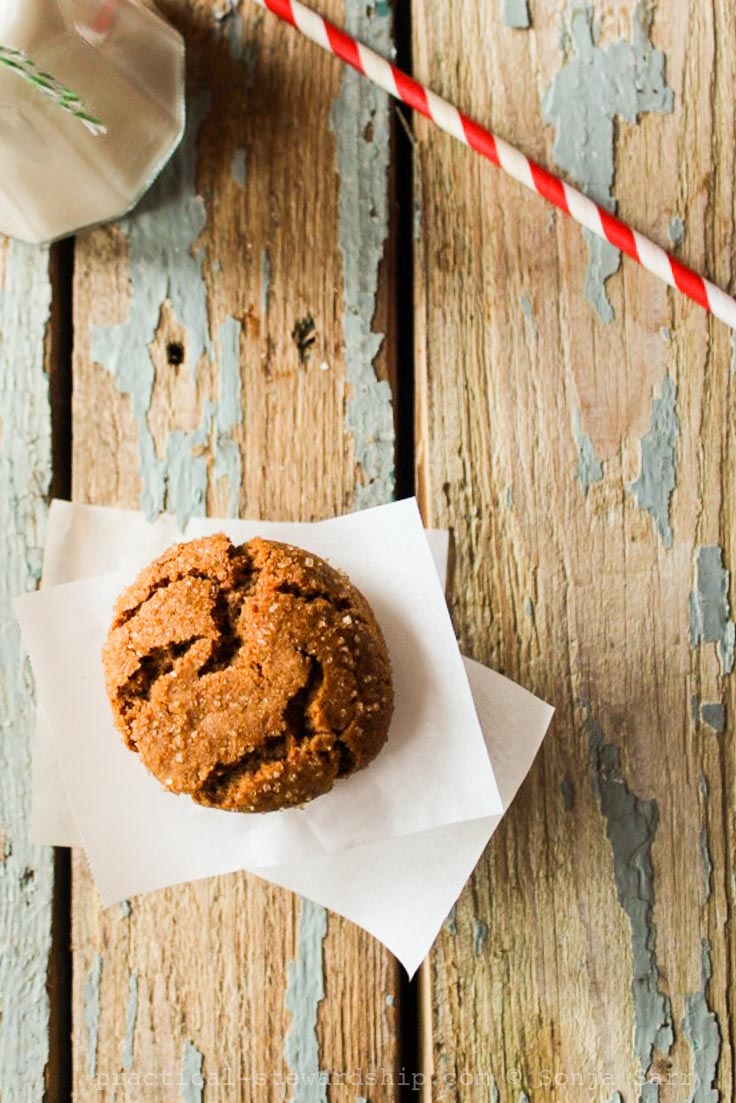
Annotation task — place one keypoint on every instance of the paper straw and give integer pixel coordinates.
(512, 161)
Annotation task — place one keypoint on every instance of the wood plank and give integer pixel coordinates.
(233, 266)
(26, 872)
(594, 945)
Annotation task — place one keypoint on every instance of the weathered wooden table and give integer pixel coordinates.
(320, 305)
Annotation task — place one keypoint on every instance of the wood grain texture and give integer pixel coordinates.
(594, 947)
(26, 872)
(210, 372)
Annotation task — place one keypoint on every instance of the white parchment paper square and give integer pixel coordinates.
(395, 871)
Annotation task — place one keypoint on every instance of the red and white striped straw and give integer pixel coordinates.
(511, 160)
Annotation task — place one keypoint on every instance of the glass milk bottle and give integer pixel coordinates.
(119, 67)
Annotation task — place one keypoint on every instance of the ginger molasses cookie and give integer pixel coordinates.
(249, 677)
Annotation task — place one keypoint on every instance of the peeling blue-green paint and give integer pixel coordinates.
(186, 457)
(595, 86)
(703, 787)
(166, 264)
(676, 230)
(509, 496)
(232, 28)
(228, 413)
(631, 826)
(361, 124)
(657, 479)
(710, 606)
(161, 235)
(25, 475)
(390, 1000)
(666, 334)
(237, 167)
(589, 468)
(265, 282)
(713, 715)
(92, 1013)
(186, 472)
(417, 221)
(567, 792)
(192, 1078)
(529, 608)
(604, 261)
(131, 1014)
(125, 908)
(695, 708)
(515, 14)
(528, 311)
(700, 1027)
(305, 990)
(451, 921)
(480, 934)
(242, 50)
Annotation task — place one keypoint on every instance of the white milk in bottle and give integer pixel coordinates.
(126, 65)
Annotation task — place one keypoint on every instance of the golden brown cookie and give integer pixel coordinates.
(249, 677)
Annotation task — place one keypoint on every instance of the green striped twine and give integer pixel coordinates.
(20, 63)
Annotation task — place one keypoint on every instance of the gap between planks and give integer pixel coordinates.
(59, 359)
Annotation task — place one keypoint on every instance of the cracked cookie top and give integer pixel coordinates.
(250, 677)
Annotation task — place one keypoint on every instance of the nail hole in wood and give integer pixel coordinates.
(304, 336)
(175, 353)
